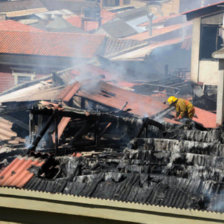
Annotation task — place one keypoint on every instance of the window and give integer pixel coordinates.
(22, 77)
(210, 41)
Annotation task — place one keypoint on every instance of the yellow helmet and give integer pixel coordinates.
(172, 99)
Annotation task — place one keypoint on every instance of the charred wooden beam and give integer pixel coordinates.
(39, 136)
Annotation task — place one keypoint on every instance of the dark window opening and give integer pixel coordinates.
(22, 79)
(210, 41)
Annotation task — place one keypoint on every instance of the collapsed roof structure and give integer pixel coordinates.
(93, 139)
(79, 145)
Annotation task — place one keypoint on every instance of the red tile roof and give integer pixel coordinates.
(208, 119)
(17, 173)
(115, 97)
(204, 117)
(75, 20)
(11, 25)
(50, 44)
(140, 105)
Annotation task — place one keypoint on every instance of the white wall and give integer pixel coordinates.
(208, 72)
(195, 50)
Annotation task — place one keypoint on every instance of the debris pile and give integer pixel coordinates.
(98, 143)
(182, 170)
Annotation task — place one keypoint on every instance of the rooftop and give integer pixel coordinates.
(50, 44)
(11, 25)
(204, 10)
(10, 6)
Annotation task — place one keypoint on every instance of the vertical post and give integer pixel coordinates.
(31, 126)
(56, 132)
(220, 95)
(166, 70)
(150, 16)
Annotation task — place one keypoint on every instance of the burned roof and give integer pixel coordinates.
(155, 171)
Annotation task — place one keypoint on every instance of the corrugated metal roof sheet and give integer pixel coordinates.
(142, 52)
(118, 29)
(115, 46)
(133, 14)
(17, 172)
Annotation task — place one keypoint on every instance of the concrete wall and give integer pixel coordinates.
(195, 49)
(208, 72)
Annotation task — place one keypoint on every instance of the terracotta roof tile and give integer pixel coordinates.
(50, 44)
(207, 118)
(11, 25)
(9, 6)
(17, 173)
(115, 97)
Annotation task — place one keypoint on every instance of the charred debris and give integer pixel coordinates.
(89, 149)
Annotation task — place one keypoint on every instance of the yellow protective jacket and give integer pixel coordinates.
(184, 109)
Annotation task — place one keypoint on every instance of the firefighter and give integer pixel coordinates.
(184, 108)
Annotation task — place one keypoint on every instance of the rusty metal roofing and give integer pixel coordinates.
(17, 173)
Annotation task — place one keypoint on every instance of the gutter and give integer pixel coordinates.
(92, 208)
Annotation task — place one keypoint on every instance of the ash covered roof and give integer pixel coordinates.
(154, 171)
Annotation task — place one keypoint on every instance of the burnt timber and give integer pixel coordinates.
(121, 158)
